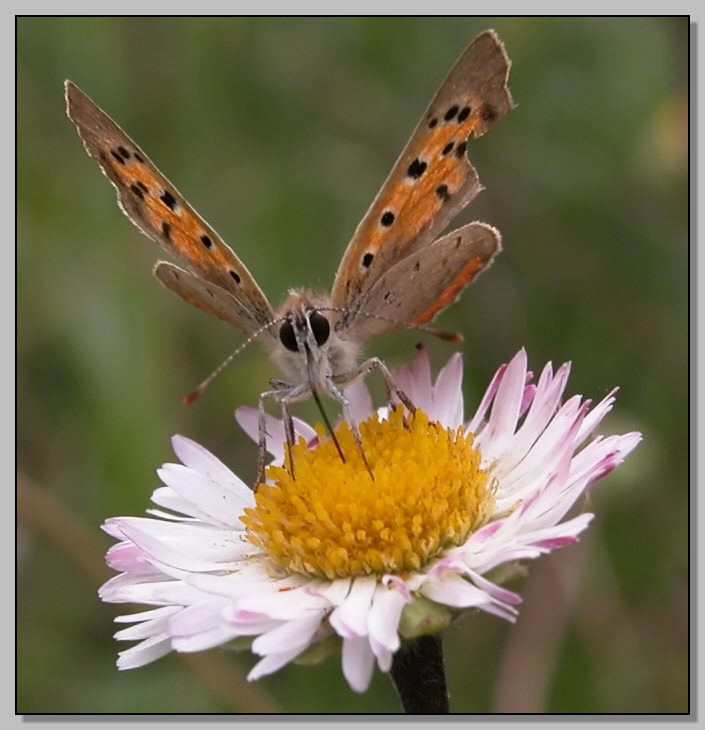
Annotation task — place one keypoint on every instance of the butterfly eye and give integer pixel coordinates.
(287, 336)
(320, 327)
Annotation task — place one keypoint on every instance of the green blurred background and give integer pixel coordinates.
(280, 132)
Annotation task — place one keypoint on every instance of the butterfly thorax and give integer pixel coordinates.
(308, 348)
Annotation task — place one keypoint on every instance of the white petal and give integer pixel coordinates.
(335, 592)
(595, 416)
(162, 514)
(271, 663)
(384, 616)
(202, 461)
(251, 578)
(492, 589)
(152, 613)
(358, 663)
(284, 606)
(459, 593)
(126, 557)
(207, 639)
(289, 636)
(166, 497)
(157, 593)
(222, 505)
(216, 551)
(350, 618)
(254, 628)
(144, 653)
(382, 654)
(196, 618)
(143, 630)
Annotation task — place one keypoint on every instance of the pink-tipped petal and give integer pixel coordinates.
(494, 439)
(360, 399)
(448, 394)
(476, 421)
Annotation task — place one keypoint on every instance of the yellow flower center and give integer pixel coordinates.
(334, 520)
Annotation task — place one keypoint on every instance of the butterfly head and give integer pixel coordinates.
(308, 344)
(304, 331)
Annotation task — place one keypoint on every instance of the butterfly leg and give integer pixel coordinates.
(282, 396)
(374, 363)
(347, 415)
(289, 433)
(262, 434)
(280, 384)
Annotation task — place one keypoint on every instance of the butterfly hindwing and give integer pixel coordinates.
(156, 207)
(207, 296)
(433, 179)
(436, 274)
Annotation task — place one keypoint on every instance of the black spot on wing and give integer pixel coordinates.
(168, 199)
(166, 230)
(137, 191)
(464, 113)
(416, 169)
(443, 193)
(206, 241)
(367, 260)
(460, 149)
(235, 276)
(448, 148)
(451, 113)
(387, 218)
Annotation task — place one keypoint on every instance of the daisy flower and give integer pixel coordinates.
(339, 556)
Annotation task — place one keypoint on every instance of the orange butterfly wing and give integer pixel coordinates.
(433, 179)
(156, 207)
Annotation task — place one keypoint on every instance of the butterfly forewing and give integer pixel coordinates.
(156, 207)
(436, 274)
(433, 178)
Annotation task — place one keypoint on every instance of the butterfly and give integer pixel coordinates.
(396, 271)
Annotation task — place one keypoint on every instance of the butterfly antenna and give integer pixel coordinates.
(196, 393)
(441, 334)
